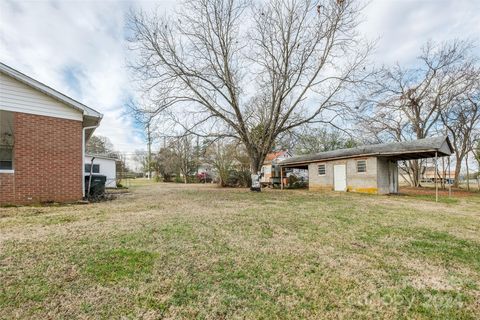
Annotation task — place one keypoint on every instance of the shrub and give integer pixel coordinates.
(295, 183)
(292, 179)
(167, 177)
(298, 185)
(239, 178)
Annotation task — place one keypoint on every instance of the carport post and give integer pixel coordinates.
(449, 179)
(436, 173)
(281, 178)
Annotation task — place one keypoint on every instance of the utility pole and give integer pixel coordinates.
(122, 166)
(449, 178)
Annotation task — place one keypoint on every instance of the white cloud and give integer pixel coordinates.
(403, 26)
(79, 49)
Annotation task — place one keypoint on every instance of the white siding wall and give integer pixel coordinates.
(18, 97)
(267, 173)
(107, 168)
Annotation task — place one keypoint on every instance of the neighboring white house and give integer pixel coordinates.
(102, 165)
(270, 173)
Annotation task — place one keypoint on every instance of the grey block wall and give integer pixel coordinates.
(356, 181)
(383, 181)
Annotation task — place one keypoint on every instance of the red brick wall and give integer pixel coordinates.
(7, 189)
(47, 163)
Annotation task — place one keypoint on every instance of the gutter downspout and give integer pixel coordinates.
(83, 157)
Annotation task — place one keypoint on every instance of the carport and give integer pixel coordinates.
(368, 168)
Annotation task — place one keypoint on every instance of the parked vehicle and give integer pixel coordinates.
(204, 177)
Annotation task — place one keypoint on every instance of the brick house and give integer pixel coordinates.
(42, 141)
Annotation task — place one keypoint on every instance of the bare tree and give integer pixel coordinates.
(146, 111)
(476, 154)
(461, 119)
(314, 140)
(184, 154)
(99, 145)
(407, 103)
(221, 155)
(141, 158)
(252, 70)
(121, 167)
(165, 164)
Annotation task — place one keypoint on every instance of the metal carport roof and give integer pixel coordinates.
(407, 150)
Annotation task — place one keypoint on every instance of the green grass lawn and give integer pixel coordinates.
(196, 251)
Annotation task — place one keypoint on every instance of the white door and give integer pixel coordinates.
(340, 177)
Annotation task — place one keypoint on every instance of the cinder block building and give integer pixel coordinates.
(369, 168)
(42, 141)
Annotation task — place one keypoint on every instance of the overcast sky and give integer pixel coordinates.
(79, 47)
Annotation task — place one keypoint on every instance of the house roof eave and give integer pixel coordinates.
(85, 110)
(423, 148)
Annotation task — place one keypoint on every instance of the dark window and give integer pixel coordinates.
(361, 166)
(96, 168)
(321, 170)
(6, 140)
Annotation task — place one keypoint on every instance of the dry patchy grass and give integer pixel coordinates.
(196, 251)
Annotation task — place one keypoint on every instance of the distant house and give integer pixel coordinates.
(102, 165)
(428, 174)
(42, 141)
(369, 169)
(270, 174)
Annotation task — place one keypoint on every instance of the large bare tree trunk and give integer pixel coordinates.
(256, 162)
(458, 167)
(468, 172)
(415, 167)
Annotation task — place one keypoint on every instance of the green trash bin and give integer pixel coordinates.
(97, 185)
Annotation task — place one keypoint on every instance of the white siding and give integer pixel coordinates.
(18, 97)
(107, 168)
(267, 173)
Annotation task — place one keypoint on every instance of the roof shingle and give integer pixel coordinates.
(422, 148)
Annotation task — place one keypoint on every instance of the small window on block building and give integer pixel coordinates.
(361, 166)
(321, 169)
(6, 140)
